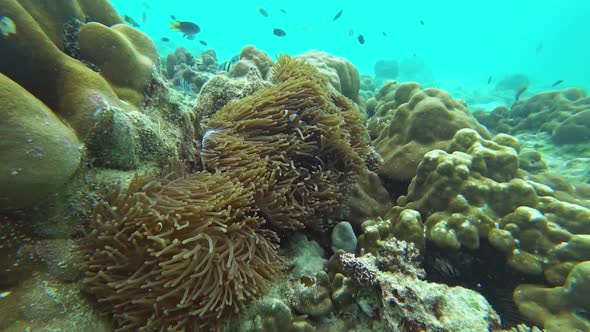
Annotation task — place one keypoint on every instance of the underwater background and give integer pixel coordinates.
(461, 42)
(297, 166)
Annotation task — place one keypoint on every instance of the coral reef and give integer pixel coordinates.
(367, 88)
(296, 142)
(94, 74)
(475, 190)
(409, 303)
(341, 74)
(409, 122)
(179, 254)
(386, 69)
(190, 73)
(562, 113)
(252, 58)
(369, 199)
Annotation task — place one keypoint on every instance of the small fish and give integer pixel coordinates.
(519, 92)
(146, 5)
(262, 12)
(307, 281)
(157, 227)
(7, 27)
(283, 11)
(384, 33)
(490, 80)
(558, 82)
(337, 16)
(305, 29)
(165, 39)
(292, 117)
(143, 17)
(361, 39)
(202, 42)
(188, 29)
(422, 22)
(131, 21)
(279, 32)
(350, 32)
(227, 66)
(4, 294)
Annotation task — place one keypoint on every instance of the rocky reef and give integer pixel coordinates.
(287, 194)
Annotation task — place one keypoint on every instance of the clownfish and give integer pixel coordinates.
(292, 117)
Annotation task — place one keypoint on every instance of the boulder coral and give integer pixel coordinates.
(559, 308)
(474, 190)
(410, 121)
(562, 113)
(66, 85)
(39, 152)
(341, 73)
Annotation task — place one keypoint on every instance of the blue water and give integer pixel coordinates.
(463, 42)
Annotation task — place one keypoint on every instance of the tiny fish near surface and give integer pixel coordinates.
(262, 12)
(558, 82)
(490, 80)
(202, 42)
(361, 39)
(279, 32)
(337, 16)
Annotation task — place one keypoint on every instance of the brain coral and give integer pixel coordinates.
(297, 143)
(177, 255)
(409, 122)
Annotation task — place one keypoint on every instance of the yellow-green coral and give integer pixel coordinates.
(39, 152)
(409, 122)
(66, 85)
(560, 308)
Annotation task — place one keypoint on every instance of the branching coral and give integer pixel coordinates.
(180, 254)
(296, 142)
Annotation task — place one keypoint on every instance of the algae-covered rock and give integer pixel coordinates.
(38, 152)
(343, 237)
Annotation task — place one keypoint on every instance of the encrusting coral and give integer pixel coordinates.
(179, 254)
(298, 144)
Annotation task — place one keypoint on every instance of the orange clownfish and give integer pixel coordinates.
(292, 117)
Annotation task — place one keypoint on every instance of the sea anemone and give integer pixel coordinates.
(176, 255)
